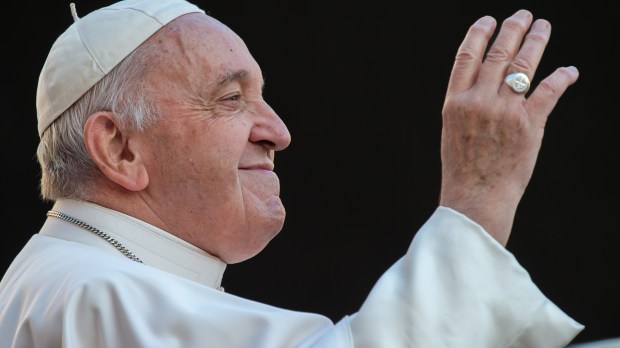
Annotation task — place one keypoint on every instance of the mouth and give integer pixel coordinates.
(268, 166)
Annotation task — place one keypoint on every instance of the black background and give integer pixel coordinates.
(361, 86)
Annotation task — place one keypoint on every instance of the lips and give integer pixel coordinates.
(261, 180)
(259, 172)
(259, 166)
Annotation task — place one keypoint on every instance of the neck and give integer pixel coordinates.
(129, 203)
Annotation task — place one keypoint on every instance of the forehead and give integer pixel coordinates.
(197, 29)
(196, 47)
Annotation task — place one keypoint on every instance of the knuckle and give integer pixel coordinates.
(521, 65)
(465, 106)
(498, 54)
(549, 88)
(515, 24)
(466, 54)
(538, 37)
(450, 106)
(476, 103)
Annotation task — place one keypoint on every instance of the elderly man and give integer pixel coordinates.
(158, 150)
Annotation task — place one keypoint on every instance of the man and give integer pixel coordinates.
(158, 150)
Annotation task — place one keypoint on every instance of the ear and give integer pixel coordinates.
(117, 154)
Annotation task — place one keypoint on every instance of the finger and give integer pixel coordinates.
(531, 52)
(470, 53)
(542, 101)
(504, 48)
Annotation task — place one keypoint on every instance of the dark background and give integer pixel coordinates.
(361, 86)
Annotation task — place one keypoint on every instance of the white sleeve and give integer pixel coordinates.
(458, 287)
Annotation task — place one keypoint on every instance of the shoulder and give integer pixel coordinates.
(93, 295)
(74, 268)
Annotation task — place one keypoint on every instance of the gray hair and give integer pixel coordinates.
(67, 171)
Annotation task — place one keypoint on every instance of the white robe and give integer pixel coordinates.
(455, 287)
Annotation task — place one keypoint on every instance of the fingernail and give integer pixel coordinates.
(573, 69)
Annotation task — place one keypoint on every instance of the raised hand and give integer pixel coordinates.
(491, 132)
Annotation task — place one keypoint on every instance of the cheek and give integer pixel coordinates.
(202, 154)
(213, 172)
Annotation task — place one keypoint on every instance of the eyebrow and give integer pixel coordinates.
(234, 75)
(230, 76)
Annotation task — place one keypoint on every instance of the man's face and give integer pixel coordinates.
(210, 161)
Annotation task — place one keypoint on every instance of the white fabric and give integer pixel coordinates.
(455, 287)
(606, 343)
(154, 246)
(94, 45)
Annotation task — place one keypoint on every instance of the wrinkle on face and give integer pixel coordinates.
(200, 88)
(198, 151)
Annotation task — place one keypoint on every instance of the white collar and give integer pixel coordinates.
(154, 246)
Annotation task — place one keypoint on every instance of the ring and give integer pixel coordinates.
(519, 82)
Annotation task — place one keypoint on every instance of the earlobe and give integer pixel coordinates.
(115, 152)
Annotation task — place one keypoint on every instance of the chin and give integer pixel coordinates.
(269, 220)
(263, 231)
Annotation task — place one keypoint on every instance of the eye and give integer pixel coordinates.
(231, 103)
(233, 97)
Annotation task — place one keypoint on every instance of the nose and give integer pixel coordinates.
(270, 130)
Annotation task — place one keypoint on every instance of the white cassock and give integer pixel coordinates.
(455, 287)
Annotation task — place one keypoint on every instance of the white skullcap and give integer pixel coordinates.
(93, 45)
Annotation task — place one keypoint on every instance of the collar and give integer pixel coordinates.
(154, 246)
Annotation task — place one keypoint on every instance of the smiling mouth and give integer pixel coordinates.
(261, 166)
